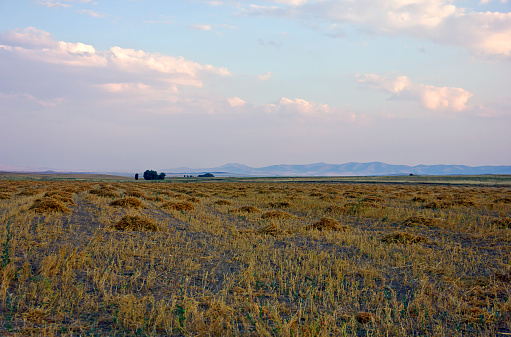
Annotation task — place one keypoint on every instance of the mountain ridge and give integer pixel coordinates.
(347, 169)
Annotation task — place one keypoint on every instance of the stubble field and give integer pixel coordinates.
(261, 259)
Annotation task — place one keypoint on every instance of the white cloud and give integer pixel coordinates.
(236, 101)
(29, 37)
(52, 4)
(265, 77)
(291, 2)
(201, 27)
(487, 33)
(430, 97)
(91, 13)
(36, 45)
(65, 4)
(298, 106)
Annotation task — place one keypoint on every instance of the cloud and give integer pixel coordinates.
(29, 37)
(236, 101)
(52, 4)
(91, 13)
(210, 27)
(128, 82)
(484, 33)
(64, 4)
(39, 46)
(265, 77)
(51, 103)
(430, 97)
(201, 27)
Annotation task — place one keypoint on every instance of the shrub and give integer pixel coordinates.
(206, 175)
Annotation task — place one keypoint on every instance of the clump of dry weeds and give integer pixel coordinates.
(135, 193)
(136, 223)
(279, 204)
(327, 224)
(4, 196)
(102, 192)
(276, 215)
(420, 220)
(364, 317)
(246, 209)
(49, 205)
(335, 209)
(502, 222)
(128, 202)
(223, 202)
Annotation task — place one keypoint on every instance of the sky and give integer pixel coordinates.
(129, 85)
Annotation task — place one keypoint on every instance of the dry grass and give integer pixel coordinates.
(272, 229)
(135, 223)
(276, 215)
(327, 224)
(246, 209)
(128, 202)
(502, 222)
(107, 193)
(223, 202)
(403, 237)
(420, 221)
(4, 196)
(279, 204)
(94, 269)
(179, 206)
(49, 205)
(364, 317)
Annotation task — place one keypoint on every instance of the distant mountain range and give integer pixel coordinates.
(318, 169)
(348, 169)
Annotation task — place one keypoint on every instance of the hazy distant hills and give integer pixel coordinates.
(348, 169)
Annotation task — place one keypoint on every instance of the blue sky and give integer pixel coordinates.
(130, 85)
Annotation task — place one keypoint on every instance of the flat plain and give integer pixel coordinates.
(254, 257)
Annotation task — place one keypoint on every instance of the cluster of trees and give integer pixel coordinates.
(152, 175)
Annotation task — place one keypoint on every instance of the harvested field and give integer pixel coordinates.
(223, 202)
(246, 209)
(276, 259)
(128, 202)
(403, 237)
(135, 223)
(420, 221)
(276, 214)
(327, 224)
(49, 205)
(179, 206)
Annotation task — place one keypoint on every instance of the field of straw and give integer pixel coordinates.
(256, 259)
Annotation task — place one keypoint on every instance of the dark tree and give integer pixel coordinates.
(161, 176)
(150, 175)
(206, 175)
(136, 176)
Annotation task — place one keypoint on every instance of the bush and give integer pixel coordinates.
(206, 175)
(153, 175)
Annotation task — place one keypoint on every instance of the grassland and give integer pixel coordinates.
(266, 258)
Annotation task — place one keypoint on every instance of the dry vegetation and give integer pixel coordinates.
(283, 259)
